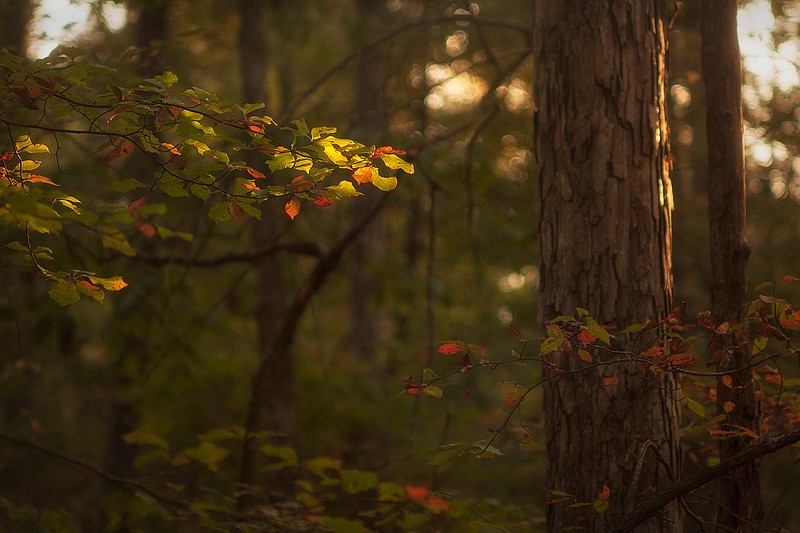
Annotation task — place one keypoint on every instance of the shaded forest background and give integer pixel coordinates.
(452, 254)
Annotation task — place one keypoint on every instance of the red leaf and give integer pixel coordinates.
(386, 150)
(292, 207)
(236, 210)
(111, 155)
(88, 285)
(6, 156)
(417, 493)
(604, 494)
(134, 207)
(727, 381)
(516, 331)
(323, 202)
(450, 348)
(300, 184)
(610, 381)
(585, 336)
(788, 278)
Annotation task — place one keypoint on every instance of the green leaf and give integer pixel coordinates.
(582, 312)
(428, 374)
(115, 240)
(144, 437)
(356, 481)
(433, 391)
(447, 453)
(695, 407)
(173, 186)
(384, 184)
(208, 454)
(600, 506)
(219, 212)
(345, 189)
(64, 293)
(224, 433)
(167, 79)
(394, 162)
(343, 525)
(17, 246)
(598, 331)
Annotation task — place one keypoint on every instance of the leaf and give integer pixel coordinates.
(292, 207)
(428, 375)
(384, 184)
(727, 381)
(126, 185)
(728, 407)
(585, 336)
(144, 437)
(344, 189)
(598, 331)
(584, 355)
(236, 211)
(788, 278)
(64, 293)
(115, 283)
(433, 391)
(90, 290)
(208, 454)
(600, 506)
(604, 494)
(356, 481)
(581, 312)
(255, 173)
(695, 407)
(417, 493)
(364, 174)
(394, 162)
(450, 348)
(447, 453)
(610, 381)
(115, 240)
(35, 178)
(219, 212)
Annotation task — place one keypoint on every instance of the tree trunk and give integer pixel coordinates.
(602, 146)
(740, 505)
(151, 31)
(367, 319)
(272, 404)
(15, 25)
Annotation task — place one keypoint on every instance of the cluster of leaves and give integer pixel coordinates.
(197, 145)
(328, 496)
(766, 333)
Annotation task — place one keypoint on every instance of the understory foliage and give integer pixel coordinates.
(192, 141)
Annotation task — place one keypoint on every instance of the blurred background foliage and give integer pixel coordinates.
(453, 255)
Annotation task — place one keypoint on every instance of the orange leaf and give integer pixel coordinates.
(584, 355)
(292, 207)
(450, 348)
(586, 337)
(146, 229)
(255, 173)
(35, 178)
(728, 406)
(111, 155)
(604, 494)
(171, 148)
(788, 278)
(363, 175)
(300, 184)
(417, 493)
(516, 331)
(727, 381)
(610, 381)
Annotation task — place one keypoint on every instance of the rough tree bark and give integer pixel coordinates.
(602, 146)
(740, 505)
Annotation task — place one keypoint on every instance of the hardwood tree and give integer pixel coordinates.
(606, 202)
(740, 505)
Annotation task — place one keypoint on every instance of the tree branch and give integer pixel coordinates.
(654, 503)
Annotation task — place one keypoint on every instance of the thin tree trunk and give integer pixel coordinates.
(740, 505)
(602, 146)
(272, 403)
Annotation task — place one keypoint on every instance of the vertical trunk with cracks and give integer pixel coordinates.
(740, 505)
(601, 140)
